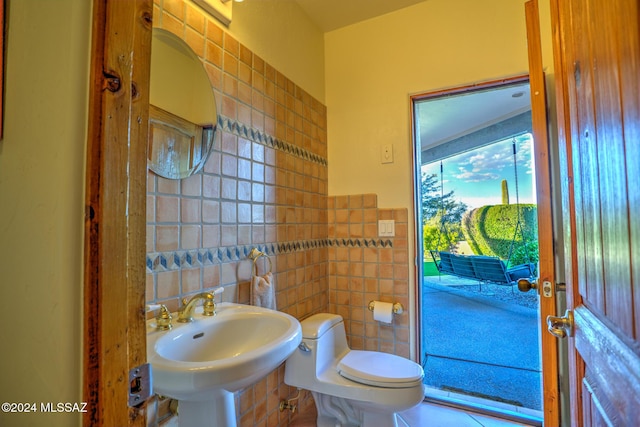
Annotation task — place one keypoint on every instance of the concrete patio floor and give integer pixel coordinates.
(481, 343)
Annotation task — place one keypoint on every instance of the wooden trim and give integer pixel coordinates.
(115, 217)
(470, 87)
(576, 364)
(91, 345)
(549, 344)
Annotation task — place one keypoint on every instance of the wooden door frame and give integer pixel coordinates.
(548, 343)
(546, 238)
(115, 210)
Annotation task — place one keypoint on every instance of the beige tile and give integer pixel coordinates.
(195, 40)
(168, 186)
(228, 235)
(213, 53)
(168, 284)
(190, 236)
(190, 279)
(190, 210)
(167, 237)
(370, 201)
(167, 209)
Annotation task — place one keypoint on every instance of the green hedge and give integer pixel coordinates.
(489, 230)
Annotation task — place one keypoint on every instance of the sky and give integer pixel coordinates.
(475, 176)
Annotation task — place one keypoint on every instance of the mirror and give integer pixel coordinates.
(182, 114)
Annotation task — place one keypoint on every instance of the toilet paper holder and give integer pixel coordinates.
(397, 307)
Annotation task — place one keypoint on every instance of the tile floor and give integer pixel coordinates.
(424, 415)
(433, 415)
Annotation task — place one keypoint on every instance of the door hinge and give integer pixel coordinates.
(140, 384)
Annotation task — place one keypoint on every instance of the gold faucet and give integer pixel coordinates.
(185, 315)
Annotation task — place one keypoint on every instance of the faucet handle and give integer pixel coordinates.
(209, 308)
(163, 318)
(209, 305)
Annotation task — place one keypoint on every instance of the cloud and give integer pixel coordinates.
(492, 162)
(484, 165)
(476, 176)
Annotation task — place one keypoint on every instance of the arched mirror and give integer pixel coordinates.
(182, 113)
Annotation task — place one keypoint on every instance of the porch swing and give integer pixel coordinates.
(482, 267)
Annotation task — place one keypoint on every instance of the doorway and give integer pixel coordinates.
(480, 337)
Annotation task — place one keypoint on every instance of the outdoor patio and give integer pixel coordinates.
(481, 341)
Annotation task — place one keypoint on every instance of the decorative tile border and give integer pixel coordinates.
(361, 243)
(257, 136)
(177, 260)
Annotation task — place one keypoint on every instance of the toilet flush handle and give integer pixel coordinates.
(304, 347)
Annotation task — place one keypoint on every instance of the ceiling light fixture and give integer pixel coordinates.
(219, 9)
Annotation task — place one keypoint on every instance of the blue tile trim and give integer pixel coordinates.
(258, 136)
(178, 260)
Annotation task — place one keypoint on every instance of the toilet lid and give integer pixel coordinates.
(380, 369)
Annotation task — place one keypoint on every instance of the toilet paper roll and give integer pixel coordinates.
(383, 311)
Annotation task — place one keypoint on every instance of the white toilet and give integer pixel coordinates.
(351, 387)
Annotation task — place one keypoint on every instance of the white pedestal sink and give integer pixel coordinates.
(202, 363)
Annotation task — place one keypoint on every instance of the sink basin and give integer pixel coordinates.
(202, 363)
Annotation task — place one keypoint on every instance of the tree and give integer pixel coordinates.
(441, 214)
(430, 194)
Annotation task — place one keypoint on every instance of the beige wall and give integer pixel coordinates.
(41, 207)
(373, 67)
(282, 34)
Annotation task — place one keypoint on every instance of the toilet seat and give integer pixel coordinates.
(380, 369)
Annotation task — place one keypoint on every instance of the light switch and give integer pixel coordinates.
(386, 228)
(386, 153)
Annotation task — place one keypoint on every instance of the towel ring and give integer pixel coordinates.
(254, 254)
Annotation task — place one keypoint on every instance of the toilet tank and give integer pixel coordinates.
(325, 337)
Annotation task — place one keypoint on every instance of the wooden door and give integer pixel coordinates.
(115, 223)
(596, 56)
(546, 250)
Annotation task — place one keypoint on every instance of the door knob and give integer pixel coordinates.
(561, 327)
(525, 285)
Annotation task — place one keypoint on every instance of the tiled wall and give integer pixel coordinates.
(265, 186)
(364, 267)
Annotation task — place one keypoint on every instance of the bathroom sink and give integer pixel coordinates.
(202, 363)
